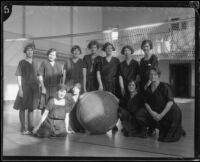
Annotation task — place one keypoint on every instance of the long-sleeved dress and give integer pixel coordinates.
(30, 86)
(91, 69)
(170, 128)
(145, 66)
(54, 125)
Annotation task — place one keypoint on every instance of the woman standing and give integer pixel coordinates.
(162, 109)
(89, 68)
(129, 69)
(73, 75)
(148, 61)
(28, 88)
(49, 75)
(72, 72)
(108, 72)
(54, 121)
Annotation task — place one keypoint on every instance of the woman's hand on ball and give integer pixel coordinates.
(35, 130)
(101, 88)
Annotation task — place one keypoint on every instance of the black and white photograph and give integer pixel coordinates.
(98, 80)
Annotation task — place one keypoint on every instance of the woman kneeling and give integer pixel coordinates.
(55, 119)
(130, 107)
(162, 109)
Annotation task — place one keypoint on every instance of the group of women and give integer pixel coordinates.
(145, 102)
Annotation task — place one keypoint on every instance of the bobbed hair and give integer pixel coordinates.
(156, 69)
(61, 87)
(28, 46)
(76, 47)
(93, 43)
(128, 47)
(147, 41)
(106, 45)
(51, 50)
(135, 82)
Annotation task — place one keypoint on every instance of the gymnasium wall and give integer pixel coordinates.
(132, 16)
(42, 21)
(127, 17)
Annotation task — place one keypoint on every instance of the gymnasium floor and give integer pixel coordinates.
(86, 145)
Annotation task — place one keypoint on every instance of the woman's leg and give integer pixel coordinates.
(22, 120)
(172, 125)
(30, 120)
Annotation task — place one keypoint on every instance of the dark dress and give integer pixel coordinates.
(145, 66)
(74, 74)
(30, 86)
(170, 129)
(129, 108)
(91, 68)
(51, 76)
(54, 125)
(129, 72)
(109, 74)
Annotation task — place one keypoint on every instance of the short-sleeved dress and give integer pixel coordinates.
(129, 108)
(74, 73)
(129, 72)
(145, 66)
(109, 74)
(170, 128)
(30, 86)
(54, 125)
(51, 76)
(91, 68)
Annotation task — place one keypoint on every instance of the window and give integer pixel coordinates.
(178, 25)
(183, 25)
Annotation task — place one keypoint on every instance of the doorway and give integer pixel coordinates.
(180, 79)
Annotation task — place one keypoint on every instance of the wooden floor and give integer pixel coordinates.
(87, 145)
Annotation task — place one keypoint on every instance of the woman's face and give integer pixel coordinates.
(29, 53)
(93, 49)
(127, 53)
(61, 94)
(109, 50)
(146, 48)
(52, 56)
(153, 76)
(76, 53)
(76, 90)
(131, 87)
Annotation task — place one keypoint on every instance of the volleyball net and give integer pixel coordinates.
(171, 40)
